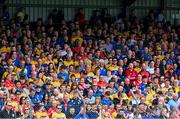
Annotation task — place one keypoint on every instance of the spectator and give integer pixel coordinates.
(94, 65)
(71, 113)
(82, 115)
(75, 102)
(174, 102)
(58, 113)
(7, 112)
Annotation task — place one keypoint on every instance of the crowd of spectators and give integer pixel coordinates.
(101, 68)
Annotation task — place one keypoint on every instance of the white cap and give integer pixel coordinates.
(101, 60)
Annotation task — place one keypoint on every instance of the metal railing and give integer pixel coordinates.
(84, 103)
(137, 104)
(31, 106)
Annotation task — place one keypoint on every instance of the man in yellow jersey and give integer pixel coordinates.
(58, 114)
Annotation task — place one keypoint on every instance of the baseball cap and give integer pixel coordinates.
(59, 107)
(101, 60)
(26, 108)
(45, 65)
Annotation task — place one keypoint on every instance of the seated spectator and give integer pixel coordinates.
(58, 113)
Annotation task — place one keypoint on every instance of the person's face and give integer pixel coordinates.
(143, 100)
(63, 88)
(139, 78)
(2, 82)
(48, 86)
(130, 66)
(18, 84)
(162, 78)
(108, 73)
(66, 97)
(8, 106)
(72, 111)
(101, 64)
(88, 68)
(46, 97)
(75, 95)
(1, 94)
(115, 61)
(27, 111)
(22, 63)
(10, 69)
(56, 92)
(18, 95)
(9, 77)
(110, 61)
(68, 89)
(171, 91)
(167, 83)
(160, 104)
(101, 79)
(111, 106)
(127, 81)
(90, 92)
(175, 97)
(54, 104)
(174, 116)
(94, 107)
(164, 112)
(28, 60)
(51, 99)
(38, 89)
(32, 93)
(120, 89)
(95, 87)
(124, 107)
(59, 109)
(172, 54)
(143, 66)
(88, 107)
(152, 64)
(118, 107)
(175, 82)
(146, 50)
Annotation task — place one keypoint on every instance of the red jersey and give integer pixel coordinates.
(131, 74)
(51, 111)
(9, 84)
(102, 84)
(145, 73)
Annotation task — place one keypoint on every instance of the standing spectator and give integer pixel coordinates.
(71, 113)
(131, 73)
(82, 115)
(7, 112)
(76, 102)
(80, 17)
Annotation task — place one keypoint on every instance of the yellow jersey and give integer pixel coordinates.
(58, 115)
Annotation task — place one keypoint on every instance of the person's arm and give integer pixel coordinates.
(100, 114)
(53, 115)
(64, 116)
